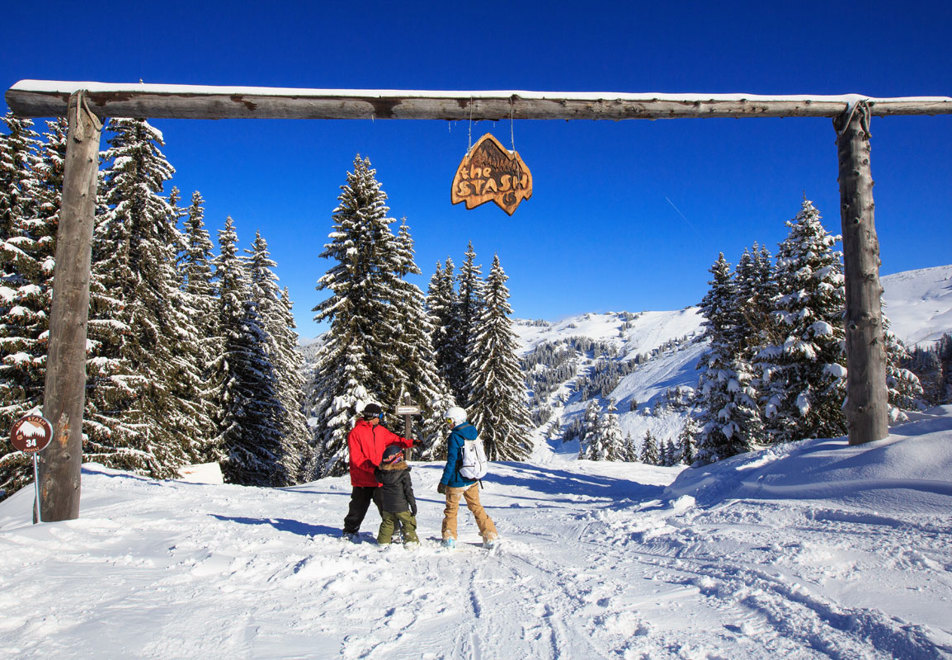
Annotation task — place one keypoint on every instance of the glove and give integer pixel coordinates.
(441, 488)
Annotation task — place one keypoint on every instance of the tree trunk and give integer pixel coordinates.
(61, 462)
(866, 406)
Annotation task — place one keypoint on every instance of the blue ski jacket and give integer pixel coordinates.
(454, 456)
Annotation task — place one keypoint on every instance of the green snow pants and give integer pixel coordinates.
(405, 519)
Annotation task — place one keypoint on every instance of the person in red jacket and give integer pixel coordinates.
(366, 442)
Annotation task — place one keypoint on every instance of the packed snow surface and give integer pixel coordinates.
(811, 550)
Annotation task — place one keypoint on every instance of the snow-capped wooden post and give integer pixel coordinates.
(867, 413)
(60, 465)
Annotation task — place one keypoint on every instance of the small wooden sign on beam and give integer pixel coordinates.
(491, 173)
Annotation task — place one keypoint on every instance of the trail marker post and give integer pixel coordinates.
(408, 411)
(31, 434)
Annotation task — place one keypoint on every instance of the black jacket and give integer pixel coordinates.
(397, 489)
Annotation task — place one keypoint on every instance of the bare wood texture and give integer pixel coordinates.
(867, 405)
(61, 463)
(37, 98)
(491, 173)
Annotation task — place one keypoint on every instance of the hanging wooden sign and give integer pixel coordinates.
(490, 172)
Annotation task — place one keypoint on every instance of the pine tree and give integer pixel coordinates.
(649, 449)
(927, 365)
(354, 363)
(498, 404)
(805, 370)
(141, 412)
(685, 449)
(441, 304)
(417, 377)
(904, 390)
(754, 293)
(252, 412)
(727, 409)
(25, 280)
(631, 452)
(588, 427)
(200, 303)
(274, 308)
(606, 443)
(466, 317)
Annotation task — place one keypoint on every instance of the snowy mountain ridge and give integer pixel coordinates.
(918, 304)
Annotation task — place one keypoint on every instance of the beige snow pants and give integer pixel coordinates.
(471, 494)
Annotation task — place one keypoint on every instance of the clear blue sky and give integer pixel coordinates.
(625, 215)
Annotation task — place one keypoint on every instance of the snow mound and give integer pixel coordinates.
(908, 471)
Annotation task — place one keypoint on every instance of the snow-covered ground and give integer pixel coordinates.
(812, 550)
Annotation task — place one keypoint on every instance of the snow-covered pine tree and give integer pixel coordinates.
(354, 364)
(497, 389)
(805, 370)
(200, 302)
(754, 293)
(664, 457)
(274, 309)
(904, 390)
(606, 443)
(729, 420)
(416, 376)
(441, 304)
(588, 427)
(24, 289)
(671, 454)
(192, 406)
(927, 365)
(686, 436)
(251, 431)
(649, 449)
(463, 326)
(630, 451)
(140, 412)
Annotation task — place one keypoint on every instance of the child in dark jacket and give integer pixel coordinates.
(398, 505)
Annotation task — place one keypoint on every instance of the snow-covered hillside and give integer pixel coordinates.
(919, 303)
(812, 550)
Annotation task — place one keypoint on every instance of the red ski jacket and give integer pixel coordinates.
(366, 444)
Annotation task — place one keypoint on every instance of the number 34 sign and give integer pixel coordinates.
(31, 434)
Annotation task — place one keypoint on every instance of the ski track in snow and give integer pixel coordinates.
(591, 565)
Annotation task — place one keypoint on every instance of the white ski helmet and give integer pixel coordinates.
(456, 415)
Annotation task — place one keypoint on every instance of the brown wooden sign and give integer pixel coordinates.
(31, 434)
(490, 172)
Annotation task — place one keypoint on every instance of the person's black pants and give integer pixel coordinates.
(360, 500)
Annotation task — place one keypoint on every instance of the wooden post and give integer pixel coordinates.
(61, 464)
(407, 428)
(866, 406)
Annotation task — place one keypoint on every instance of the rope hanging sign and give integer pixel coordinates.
(491, 173)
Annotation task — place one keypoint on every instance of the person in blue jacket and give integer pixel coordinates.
(454, 485)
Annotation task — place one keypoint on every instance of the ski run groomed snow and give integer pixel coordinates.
(811, 550)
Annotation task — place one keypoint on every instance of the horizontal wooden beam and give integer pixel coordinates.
(42, 98)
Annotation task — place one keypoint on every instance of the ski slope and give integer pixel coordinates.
(811, 550)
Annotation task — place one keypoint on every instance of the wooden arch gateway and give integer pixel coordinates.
(87, 103)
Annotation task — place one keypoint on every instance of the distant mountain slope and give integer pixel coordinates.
(919, 303)
(645, 356)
